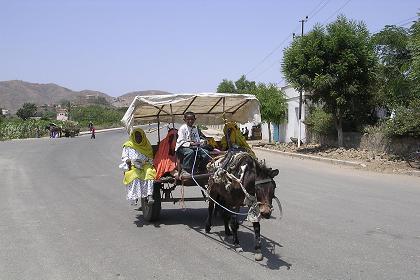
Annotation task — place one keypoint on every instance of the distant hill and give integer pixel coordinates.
(13, 94)
(126, 99)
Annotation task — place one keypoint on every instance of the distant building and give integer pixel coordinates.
(5, 112)
(62, 115)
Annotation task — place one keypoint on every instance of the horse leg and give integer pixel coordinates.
(209, 217)
(258, 255)
(234, 225)
(226, 218)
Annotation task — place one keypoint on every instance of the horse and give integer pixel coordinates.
(240, 179)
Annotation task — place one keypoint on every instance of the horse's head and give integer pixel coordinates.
(264, 189)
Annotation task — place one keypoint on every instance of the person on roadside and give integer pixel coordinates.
(246, 133)
(188, 144)
(92, 131)
(137, 164)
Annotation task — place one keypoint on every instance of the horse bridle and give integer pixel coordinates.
(258, 185)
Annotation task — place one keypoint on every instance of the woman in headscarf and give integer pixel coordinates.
(165, 159)
(139, 173)
(235, 136)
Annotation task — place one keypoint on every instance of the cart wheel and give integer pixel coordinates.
(152, 212)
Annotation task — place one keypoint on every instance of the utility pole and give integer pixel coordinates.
(302, 21)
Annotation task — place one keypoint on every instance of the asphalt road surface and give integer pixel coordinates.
(63, 215)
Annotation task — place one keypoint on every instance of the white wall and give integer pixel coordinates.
(291, 127)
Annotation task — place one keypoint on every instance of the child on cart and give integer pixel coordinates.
(190, 147)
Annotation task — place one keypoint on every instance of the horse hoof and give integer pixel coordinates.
(208, 229)
(239, 249)
(258, 256)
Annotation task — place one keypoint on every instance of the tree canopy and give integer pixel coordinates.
(26, 111)
(391, 47)
(226, 86)
(336, 66)
(414, 47)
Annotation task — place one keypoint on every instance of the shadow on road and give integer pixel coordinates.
(195, 219)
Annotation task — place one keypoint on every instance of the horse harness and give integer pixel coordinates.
(223, 175)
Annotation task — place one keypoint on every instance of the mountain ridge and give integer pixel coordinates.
(14, 93)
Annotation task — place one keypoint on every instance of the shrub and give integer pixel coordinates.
(406, 121)
(320, 122)
(17, 128)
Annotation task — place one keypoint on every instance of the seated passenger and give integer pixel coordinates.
(137, 163)
(165, 160)
(237, 140)
(187, 144)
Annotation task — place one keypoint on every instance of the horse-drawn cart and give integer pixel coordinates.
(237, 178)
(210, 108)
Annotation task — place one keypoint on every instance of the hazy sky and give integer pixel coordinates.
(177, 46)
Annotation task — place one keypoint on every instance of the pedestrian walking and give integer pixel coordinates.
(92, 130)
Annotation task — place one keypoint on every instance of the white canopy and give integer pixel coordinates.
(210, 108)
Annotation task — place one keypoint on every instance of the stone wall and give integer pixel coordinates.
(377, 142)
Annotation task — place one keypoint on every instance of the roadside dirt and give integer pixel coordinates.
(379, 162)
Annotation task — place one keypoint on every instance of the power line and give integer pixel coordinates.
(401, 23)
(265, 70)
(270, 53)
(404, 20)
(323, 6)
(314, 11)
(338, 10)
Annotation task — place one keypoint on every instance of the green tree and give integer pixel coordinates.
(48, 115)
(226, 86)
(273, 105)
(99, 115)
(336, 66)
(391, 47)
(244, 86)
(414, 47)
(26, 111)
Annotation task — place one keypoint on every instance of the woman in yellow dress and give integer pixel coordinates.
(235, 136)
(137, 164)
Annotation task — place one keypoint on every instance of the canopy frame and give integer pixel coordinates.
(212, 108)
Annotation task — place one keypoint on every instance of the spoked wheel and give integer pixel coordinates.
(151, 212)
(414, 160)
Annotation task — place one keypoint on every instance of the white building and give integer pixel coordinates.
(5, 112)
(62, 115)
(291, 127)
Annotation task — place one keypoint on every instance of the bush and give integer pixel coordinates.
(17, 128)
(406, 121)
(320, 122)
(100, 116)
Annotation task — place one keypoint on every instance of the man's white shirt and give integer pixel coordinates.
(186, 135)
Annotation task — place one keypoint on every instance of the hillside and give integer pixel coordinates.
(13, 94)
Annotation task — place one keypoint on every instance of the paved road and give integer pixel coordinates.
(63, 215)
